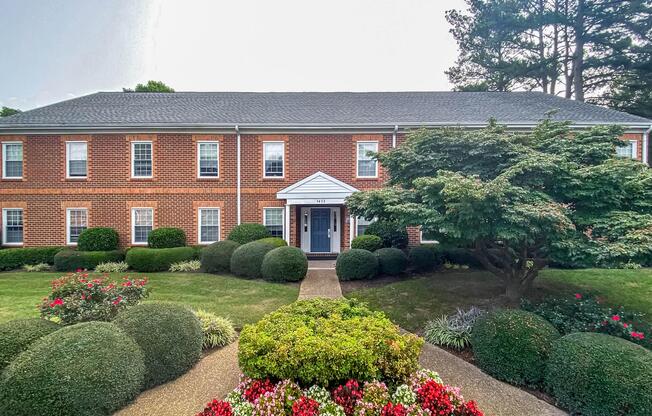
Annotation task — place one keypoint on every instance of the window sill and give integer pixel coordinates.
(13, 245)
(273, 178)
(13, 179)
(366, 178)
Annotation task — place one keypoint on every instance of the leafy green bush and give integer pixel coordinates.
(600, 375)
(40, 267)
(422, 259)
(274, 241)
(327, 341)
(186, 266)
(392, 234)
(356, 264)
(216, 258)
(218, 331)
(112, 267)
(455, 255)
(87, 369)
(391, 261)
(285, 264)
(513, 345)
(98, 239)
(15, 258)
(17, 335)
(72, 260)
(142, 259)
(166, 237)
(367, 242)
(169, 335)
(454, 330)
(247, 260)
(246, 233)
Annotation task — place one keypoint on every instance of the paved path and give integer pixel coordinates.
(321, 281)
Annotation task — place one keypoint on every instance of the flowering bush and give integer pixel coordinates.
(77, 298)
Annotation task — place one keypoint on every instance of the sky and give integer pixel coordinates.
(54, 50)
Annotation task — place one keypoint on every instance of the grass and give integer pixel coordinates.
(414, 301)
(243, 301)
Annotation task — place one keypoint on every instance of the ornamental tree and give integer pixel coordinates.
(520, 200)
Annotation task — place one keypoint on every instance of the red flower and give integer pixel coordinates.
(625, 325)
(305, 406)
(257, 389)
(90, 285)
(127, 283)
(470, 408)
(118, 300)
(79, 270)
(217, 408)
(393, 410)
(56, 302)
(433, 397)
(578, 296)
(637, 335)
(347, 396)
(615, 318)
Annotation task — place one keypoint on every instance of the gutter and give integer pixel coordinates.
(394, 135)
(646, 146)
(237, 134)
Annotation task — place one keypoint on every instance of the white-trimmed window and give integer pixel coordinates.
(76, 222)
(273, 155)
(12, 226)
(627, 149)
(361, 225)
(208, 156)
(209, 225)
(76, 159)
(273, 221)
(142, 222)
(12, 160)
(367, 166)
(427, 237)
(141, 159)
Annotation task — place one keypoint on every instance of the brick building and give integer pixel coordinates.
(205, 162)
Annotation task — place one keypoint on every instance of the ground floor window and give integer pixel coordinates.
(12, 226)
(142, 222)
(273, 220)
(361, 225)
(627, 149)
(77, 221)
(428, 237)
(209, 225)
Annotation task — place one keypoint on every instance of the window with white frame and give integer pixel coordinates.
(428, 237)
(367, 166)
(361, 225)
(273, 153)
(208, 159)
(209, 225)
(12, 160)
(141, 159)
(76, 159)
(142, 222)
(273, 221)
(12, 226)
(76, 222)
(627, 149)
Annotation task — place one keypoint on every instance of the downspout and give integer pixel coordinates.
(646, 144)
(237, 152)
(394, 135)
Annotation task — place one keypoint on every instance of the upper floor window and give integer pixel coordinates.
(76, 222)
(208, 155)
(273, 220)
(209, 225)
(12, 160)
(76, 159)
(362, 224)
(367, 166)
(273, 154)
(141, 159)
(12, 226)
(627, 150)
(142, 222)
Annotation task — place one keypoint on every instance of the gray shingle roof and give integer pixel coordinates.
(117, 109)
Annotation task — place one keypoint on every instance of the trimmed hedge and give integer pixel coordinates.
(392, 234)
(513, 345)
(356, 264)
(247, 260)
(422, 259)
(17, 335)
(72, 260)
(391, 261)
(98, 239)
(166, 237)
(274, 241)
(216, 258)
(600, 375)
(87, 369)
(15, 258)
(170, 337)
(246, 233)
(455, 255)
(142, 259)
(285, 264)
(367, 242)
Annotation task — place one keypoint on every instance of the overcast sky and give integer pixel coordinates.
(56, 50)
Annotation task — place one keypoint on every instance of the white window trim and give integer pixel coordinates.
(133, 153)
(265, 158)
(68, 160)
(357, 219)
(199, 143)
(4, 156)
(282, 221)
(634, 144)
(357, 160)
(4, 227)
(422, 241)
(68, 242)
(219, 224)
(133, 225)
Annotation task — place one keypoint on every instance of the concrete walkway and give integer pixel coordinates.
(321, 281)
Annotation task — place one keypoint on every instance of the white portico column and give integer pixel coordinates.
(351, 229)
(288, 208)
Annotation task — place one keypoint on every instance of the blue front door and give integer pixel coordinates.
(320, 239)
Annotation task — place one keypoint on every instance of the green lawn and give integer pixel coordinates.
(241, 300)
(412, 302)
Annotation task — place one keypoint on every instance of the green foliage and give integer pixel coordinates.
(98, 239)
(367, 242)
(218, 331)
(513, 345)
(15, 258)
(600, 375)
(447, 254)
(17, 335)
(72, 260)
(170, 337)
(453, 331)
(143, 259)
(166, 237)
(356, 264)
(274, 241)
(87, 369)
(7, 111)
(112, 267)
(285, 264)
(327, 342)
(422, 259)
(392, 233)
(247, 260)
(391, 261)
(151, 86)
(216, 258)
(248, 232)
(185, 266)
(39, 267)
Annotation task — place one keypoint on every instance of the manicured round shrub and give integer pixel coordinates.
(166, 238)
(367, 242)
(391, 261)
(246, 233)
(356, 264)
(216, 258)
(326, 342)
(218, 331)
(392, 234)
(513, 345)
(87, 369)
(285, 264)
(17, 335)
(422, 259)
(169, 335)
(247, 260)
(274, 241)
(600, 375)
(73, 260)
(98, 239)
(142, 259)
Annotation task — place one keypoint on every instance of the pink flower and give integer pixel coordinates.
(578, 296)
(79, 270)
(90, 285)
(615, 318)
(56, 302)
(127, 283)
(625, 326)
(118, 300)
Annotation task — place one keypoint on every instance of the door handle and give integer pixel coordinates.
(329, 233)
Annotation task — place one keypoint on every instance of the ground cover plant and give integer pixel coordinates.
(217, 331)
(453, 331)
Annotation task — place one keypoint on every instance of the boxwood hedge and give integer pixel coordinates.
(15, 258)
(274, 241)
(285, 264)
(367, 242)
(166, 237)
(142, 259)
(216, 258)
(391, 261)
(422, 259)
(356, 264)
(72, 260)
(246, 233)
(247, 260)
(17, 335)
(98, 239)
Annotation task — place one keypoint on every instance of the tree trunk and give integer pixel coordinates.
(578, 57)
(514, 291)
